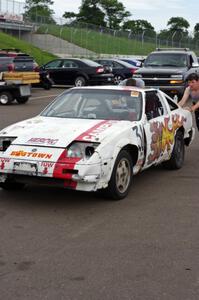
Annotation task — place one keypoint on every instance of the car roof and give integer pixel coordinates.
(171, 51)
(114, 88)
(122, 62)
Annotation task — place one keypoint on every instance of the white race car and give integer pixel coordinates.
(93, 138)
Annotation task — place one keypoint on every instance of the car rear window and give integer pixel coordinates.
(90, 63)
(23, 58)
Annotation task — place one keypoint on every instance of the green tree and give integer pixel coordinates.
(140, 26)
(115, 13)
(105, 13)
(196, 32)
(69, 15)
(178, 27)
(39, 11)
(91, 13)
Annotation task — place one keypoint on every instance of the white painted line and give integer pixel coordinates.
(47, 96)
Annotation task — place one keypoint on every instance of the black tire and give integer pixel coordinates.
(6, 98)
(10, 185)
(22, 100)
(47, 85)
(121, 177)
(117, 79)
(177, 157)
(80, 81)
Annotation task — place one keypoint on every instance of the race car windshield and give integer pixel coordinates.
(97, 104)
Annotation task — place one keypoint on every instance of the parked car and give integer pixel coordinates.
(77, 72)
(96, 138)
(120, 69)
(132, 61)
(18, 62)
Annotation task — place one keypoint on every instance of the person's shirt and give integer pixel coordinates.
(193, 95)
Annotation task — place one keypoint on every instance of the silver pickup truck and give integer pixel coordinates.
(167, 69)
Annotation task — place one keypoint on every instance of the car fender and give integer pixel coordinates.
(83, 75)
(127, 144)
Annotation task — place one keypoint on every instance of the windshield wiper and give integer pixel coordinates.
(152, 65)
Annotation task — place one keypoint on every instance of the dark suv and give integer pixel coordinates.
(12, 61)
(167, 69)
(17, 63)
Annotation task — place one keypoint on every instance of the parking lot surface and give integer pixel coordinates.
(58, 244)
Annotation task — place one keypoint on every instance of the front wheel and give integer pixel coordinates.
(6, 98)
(177, 157)
(80, 81)
(121, 177)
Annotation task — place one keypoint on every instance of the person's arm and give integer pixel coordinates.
(195, 107)
(185, 97)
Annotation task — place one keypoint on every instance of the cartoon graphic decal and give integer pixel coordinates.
(163, 137)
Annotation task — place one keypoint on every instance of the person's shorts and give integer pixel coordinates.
(197, 118)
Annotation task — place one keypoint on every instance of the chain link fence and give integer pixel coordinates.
(124, 43)
(77, 38)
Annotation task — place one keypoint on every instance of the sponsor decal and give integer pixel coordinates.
(3, 161)
(41, 141)
(96, 130)
(46, 165)
(22, 153)
(163, 137)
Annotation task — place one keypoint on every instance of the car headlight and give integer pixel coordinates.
(5, 142)
(81, 150)
(177, 76)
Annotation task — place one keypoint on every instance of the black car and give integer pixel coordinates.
(77, 72)
(120, 69)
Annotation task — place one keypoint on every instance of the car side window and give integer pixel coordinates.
(116, 65)
(154, 107)
(69, 64)
(171, 103)
(53, 64)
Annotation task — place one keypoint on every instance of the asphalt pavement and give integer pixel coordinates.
(57, 244)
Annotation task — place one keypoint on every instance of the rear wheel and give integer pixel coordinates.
(118, 79)
(177, 157)
(80, 81)
(121, 177)
(22, 100)
(6, 98)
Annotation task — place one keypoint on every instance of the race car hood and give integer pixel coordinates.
(58, 132)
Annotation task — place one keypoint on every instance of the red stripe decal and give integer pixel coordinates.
(95, 130)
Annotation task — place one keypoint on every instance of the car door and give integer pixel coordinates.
(158, 129)
(70, 69)
(55, 70)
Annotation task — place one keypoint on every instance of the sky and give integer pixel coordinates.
(156, 12)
